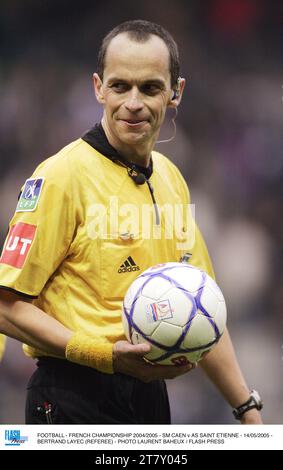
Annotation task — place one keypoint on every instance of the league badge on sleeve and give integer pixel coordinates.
(30, 195)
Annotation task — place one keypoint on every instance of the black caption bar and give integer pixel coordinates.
(132, 458)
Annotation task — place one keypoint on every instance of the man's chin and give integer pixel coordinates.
(133, 138)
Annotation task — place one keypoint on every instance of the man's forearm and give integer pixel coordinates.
(27, 323)
(222, 368)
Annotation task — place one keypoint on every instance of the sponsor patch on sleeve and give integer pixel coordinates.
(18, 244)
(30, 195)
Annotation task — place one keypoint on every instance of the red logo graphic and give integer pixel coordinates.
(160, 265)
(18, 244)
(180, 361)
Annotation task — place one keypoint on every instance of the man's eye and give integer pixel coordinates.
(150, 89)
(119, 87)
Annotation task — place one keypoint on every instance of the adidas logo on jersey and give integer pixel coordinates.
(128, 266)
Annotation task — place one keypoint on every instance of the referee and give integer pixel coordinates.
(67, 261)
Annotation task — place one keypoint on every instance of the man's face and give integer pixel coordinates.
(135, 91)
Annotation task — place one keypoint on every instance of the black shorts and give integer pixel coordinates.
(61, 392)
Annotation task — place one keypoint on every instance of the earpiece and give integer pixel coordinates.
(176, 92)
(175, 95)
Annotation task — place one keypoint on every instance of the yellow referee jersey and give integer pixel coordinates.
(2, 345)
(81, 234)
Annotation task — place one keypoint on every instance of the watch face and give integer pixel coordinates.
(257, 399)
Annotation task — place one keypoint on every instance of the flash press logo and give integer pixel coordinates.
(13, 437)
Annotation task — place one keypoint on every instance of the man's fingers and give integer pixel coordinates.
(128, 359)
(138, 349)
(173, 368)
(149, 372)
(177, 370)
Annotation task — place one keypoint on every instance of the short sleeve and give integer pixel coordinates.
(200, 256)
(2, 345)
(41, 230)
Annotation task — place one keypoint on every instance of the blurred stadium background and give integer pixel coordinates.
(229, 147)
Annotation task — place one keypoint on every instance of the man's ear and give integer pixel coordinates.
(98, 88)
(177, 93)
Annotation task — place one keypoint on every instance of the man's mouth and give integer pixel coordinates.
(134, 122)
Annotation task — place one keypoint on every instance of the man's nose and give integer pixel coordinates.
(134, 101)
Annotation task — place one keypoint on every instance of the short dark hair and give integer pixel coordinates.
(140, 31)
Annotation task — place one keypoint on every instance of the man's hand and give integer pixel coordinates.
(251, 417)
(128, 359)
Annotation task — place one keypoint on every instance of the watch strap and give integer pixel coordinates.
(253, 402)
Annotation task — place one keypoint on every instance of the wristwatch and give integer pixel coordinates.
(253, 402)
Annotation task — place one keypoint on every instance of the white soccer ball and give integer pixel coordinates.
(178, 309)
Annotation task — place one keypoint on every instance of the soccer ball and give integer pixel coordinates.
(178, 309)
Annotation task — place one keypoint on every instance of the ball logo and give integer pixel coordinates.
(159, 311)
(18, 244)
